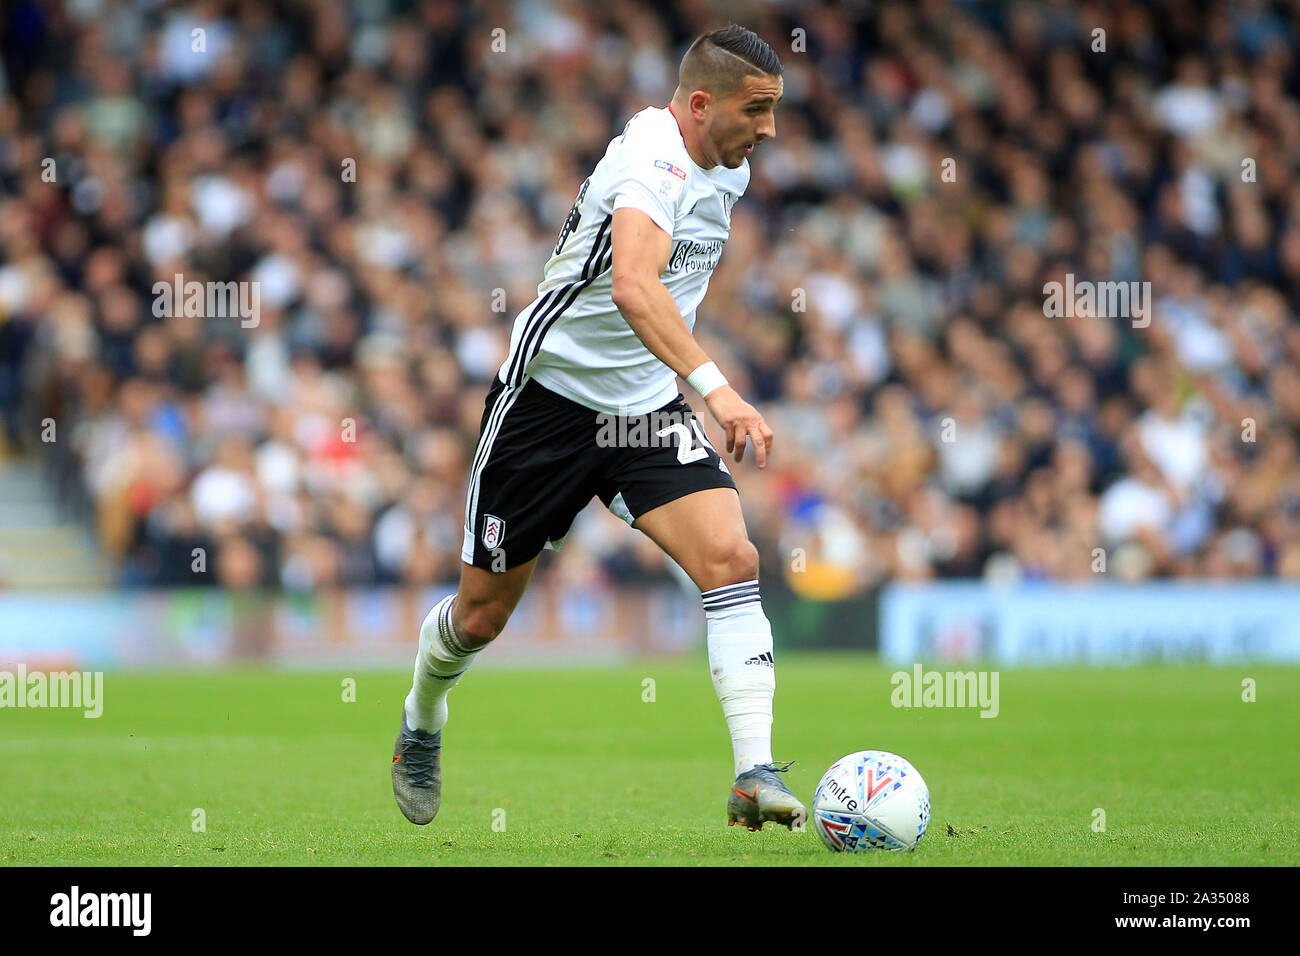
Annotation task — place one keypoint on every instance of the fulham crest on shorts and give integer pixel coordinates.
(494, 530)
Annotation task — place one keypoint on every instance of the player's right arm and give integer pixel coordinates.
(641, 249)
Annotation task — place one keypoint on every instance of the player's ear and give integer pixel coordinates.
(699, 102)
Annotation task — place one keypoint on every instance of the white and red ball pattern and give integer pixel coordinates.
(871, 800)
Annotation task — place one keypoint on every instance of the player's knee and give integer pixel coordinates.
(733, 562)
(477, 625)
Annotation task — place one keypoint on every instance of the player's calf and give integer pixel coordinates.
(417, 755)
(744, 675)
(743, 669)
(452, 634)
(477, 624)
(727, 561)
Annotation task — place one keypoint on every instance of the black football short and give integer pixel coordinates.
(541, 458)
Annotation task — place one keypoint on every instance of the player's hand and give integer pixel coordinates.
(740, 420)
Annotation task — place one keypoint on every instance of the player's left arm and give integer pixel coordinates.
(641, 250)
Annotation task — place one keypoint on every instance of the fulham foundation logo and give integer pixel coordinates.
(494, 529)
(102, 909)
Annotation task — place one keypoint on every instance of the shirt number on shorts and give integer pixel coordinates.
(686, 452)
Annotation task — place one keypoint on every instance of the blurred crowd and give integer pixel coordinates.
(393, 174)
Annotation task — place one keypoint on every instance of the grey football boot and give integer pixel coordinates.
(759, 796)
(417, 773)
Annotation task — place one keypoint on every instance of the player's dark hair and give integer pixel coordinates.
(718, 61)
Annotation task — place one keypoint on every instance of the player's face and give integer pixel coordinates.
(744, 119)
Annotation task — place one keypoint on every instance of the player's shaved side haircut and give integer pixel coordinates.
(719, 61)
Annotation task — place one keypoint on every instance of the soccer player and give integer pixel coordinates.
(595, 355)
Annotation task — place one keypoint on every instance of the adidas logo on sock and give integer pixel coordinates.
(763, 660)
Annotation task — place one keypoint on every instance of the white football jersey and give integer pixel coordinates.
(572, 339)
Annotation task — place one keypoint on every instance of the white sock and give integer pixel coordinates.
(744, 672)
(439, 664)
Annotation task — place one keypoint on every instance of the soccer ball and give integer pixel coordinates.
(871, 800)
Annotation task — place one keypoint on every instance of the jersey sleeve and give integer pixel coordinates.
(652, 186)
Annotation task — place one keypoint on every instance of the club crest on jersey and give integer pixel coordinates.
(675, 170)
(494, 530)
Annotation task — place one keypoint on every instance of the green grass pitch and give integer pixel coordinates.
(573, 767)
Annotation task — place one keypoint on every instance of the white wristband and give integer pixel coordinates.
(706, 378)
